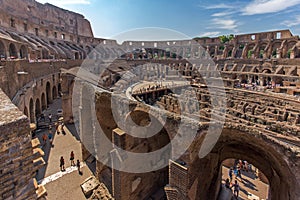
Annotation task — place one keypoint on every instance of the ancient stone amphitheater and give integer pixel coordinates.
(47, 51)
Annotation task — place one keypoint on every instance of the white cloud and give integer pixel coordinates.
(218, 6)
(222, 14)
(65, 2)
(268, 6)
(293, 22)
(210, 34)
(228, 24)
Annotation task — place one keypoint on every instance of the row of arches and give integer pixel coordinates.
(11, 51)
(266, 50)
(40, 103)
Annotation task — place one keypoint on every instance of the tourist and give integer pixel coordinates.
(50, 137)
(78, 166)
(50, 118)
(44, 138)
(239, 173)
(62, 129)
(62, 163)
(72, 158)
(227, 183)
(57, 127)
(236, 188)
(230, 174)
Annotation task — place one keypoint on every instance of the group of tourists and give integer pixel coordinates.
(72, 160)
(236, 171)
(59, 128)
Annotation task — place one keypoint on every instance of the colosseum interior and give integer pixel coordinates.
(48, 53)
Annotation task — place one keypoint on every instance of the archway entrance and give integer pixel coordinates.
(37, 108)
(247, 146)
(48, 93)
(43, 98)
(23, 52)
(54, 92)
(13, 53)
(242, 179)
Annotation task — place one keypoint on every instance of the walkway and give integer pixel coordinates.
(61, 185)
(250, 186)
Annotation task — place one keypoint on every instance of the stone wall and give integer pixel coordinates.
(18, 161)
(44, 17)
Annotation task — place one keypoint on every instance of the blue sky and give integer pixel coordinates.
(190, 17)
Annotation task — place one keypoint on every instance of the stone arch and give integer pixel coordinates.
(2, 50)
(38, 110)
(263, 154)
(262, 50)
(48, 93)
(275, 49)
(31, 111)
(250, 50)
(290, 46)
(59, 90)
(54, 92)
(23, 52)
(13, 53)
(44, 103)
(77, 56)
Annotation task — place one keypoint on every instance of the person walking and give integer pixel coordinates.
(72, 159)
(236, 189)
(50, 137)
(50, 118)
(62, 163)
(230, 174)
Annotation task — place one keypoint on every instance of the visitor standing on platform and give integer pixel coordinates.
(72, 157)
(62, 163)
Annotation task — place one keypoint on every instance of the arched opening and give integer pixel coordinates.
(59, 90)
(48, 93)
(37, 108)
(13, 53)
(54, 92)
(250, 51)
(43, 99)
(260, 152)
(26, 111)
(23, 52)
(290, 47)
(275, 50)
(262, 50)
(77, 56)
(242, 179)
(2, 51)
(31, 111)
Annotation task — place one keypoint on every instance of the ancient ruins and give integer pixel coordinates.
(42, 51)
